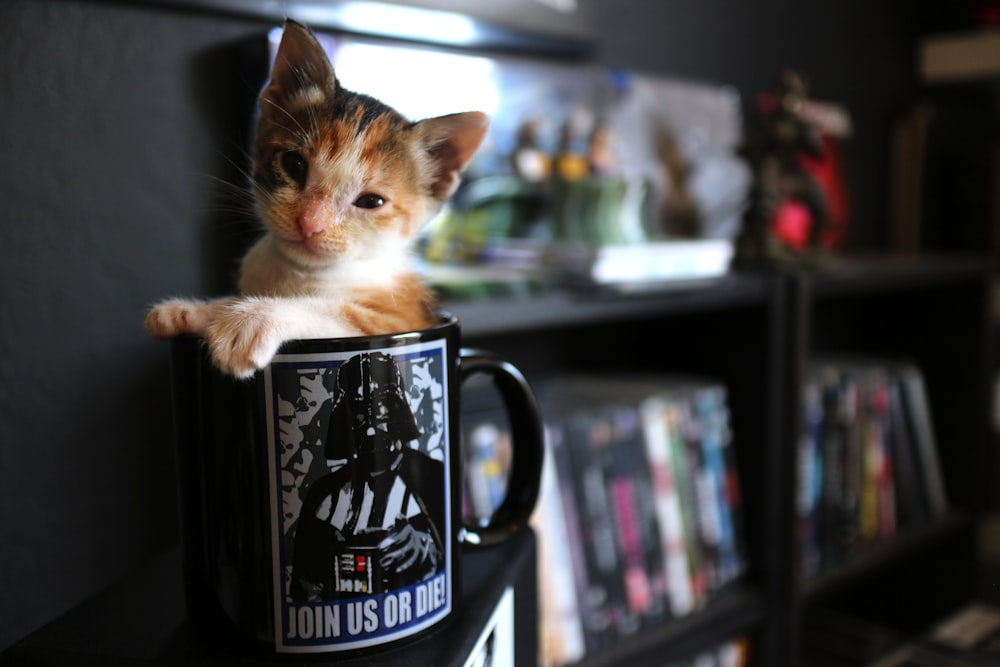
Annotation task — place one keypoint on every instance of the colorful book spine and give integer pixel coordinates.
(687, 490)
(628, 479)
(561, 638)
(667, 506)
(606, 615)
(810, 481)
(712, 415)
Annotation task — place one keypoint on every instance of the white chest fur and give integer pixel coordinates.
(267, 271)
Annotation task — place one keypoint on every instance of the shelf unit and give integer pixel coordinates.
(756, 333)
(935, 313)
(735, 329)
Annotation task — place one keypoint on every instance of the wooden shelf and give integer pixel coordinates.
(960, 57)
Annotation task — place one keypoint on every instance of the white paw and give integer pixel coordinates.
(174, 317)
(243, 338)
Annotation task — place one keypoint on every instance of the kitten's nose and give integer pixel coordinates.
(314, 218)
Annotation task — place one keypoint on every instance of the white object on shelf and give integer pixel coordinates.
(495, 645)
(646, 263)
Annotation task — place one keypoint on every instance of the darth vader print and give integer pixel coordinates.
(364, 502)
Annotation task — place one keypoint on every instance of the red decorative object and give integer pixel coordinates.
(798, 208)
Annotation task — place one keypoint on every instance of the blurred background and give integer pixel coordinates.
(121, 121)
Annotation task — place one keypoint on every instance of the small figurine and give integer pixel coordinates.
(796, 190)
(600, 151)
(680, 216)
(571, 163)
(529, 161)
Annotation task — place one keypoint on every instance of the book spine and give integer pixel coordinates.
(868, 439)
(688, 503)
(911, 505)
(711, 412)
(667, 506)
(849, 528)
(595, 618)
(833, 463)
(885, 470)
(810, 481)
(609, 617)
(733, 491)
(922, 436)
(628, 479)
(561, 638)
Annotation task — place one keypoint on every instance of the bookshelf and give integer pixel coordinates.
(757, 334)
(934, 312)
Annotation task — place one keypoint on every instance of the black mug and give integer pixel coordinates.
(321, 499)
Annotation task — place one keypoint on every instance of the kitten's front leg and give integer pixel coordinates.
(246, 333)
(173, 317)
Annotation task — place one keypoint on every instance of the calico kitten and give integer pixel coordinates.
(342, 184)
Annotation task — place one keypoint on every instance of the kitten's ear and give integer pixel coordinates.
(299, 64)
(450, 142)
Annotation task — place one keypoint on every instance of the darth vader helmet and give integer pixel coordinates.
(370, 413)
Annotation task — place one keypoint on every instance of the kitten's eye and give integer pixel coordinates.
(295, 166)
(369, 201)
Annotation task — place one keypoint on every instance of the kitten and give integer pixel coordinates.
(342, 184)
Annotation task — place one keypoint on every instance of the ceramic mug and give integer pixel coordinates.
(321, 500)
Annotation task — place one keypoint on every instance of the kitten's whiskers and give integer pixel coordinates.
(302, 133)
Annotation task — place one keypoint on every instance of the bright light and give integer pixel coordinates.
(565, 6)
(417, 82)
(397, 21)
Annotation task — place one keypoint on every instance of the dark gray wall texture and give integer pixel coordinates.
(115, 121)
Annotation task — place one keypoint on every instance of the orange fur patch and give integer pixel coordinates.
(408, 306)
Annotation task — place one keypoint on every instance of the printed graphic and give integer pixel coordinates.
(360, 498)
(495, 646)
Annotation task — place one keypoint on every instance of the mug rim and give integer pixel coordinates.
(446, 322)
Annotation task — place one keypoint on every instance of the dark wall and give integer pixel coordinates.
(108, 144)
(114, 122)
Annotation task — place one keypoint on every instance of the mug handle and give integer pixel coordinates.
(527, 448)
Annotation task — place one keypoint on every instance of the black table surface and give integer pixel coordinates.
(142, 620)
